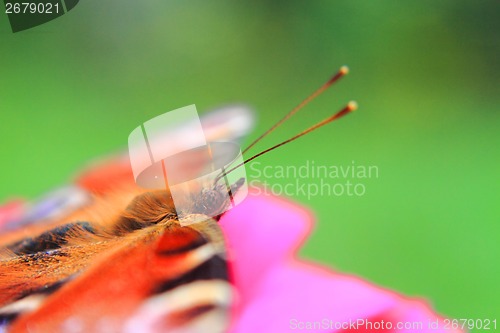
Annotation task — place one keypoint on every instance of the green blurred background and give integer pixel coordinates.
(425, 73)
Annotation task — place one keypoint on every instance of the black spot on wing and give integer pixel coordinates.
(50, 289)
(45, 290)
(214, 268)
(7, 318)
(49, 240)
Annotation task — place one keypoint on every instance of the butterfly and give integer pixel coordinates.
(120, 260)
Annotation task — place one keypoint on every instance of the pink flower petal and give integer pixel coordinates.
(262, 232)
(279, 293)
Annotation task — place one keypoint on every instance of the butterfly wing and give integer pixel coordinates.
(162, 278)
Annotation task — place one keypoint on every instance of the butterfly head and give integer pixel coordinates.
(215, 199)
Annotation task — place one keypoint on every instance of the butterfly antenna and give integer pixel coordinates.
(342, 71)
(351, 106)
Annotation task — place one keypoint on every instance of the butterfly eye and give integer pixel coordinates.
(210, 202)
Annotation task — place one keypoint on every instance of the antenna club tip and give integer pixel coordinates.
(352, 106)
(344, 70)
